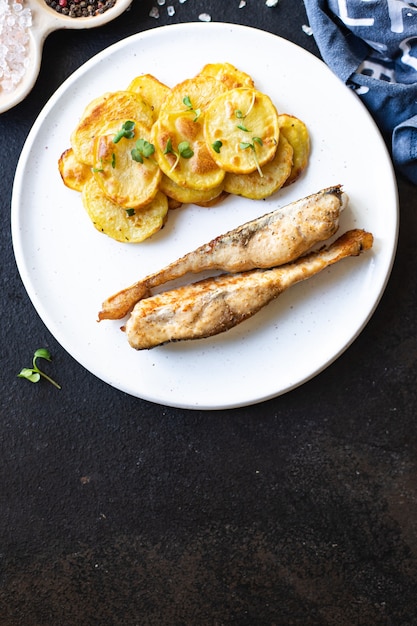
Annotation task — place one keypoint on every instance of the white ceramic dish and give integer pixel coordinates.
(68, 268)
(44, 21)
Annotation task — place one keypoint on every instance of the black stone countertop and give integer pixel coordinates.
(301, 510)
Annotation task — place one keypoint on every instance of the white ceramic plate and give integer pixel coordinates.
(68, 268)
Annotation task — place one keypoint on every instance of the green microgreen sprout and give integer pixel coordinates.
(130, 212)
(216, 146)
(244, 145)
(113, 160)
(98, 169)
(184, 150)
(241, 116)
(127, 131)
(142, 149)
(197, 112)
(34, 374)
(238, 112)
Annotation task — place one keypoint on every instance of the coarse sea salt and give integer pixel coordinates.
(15, 22)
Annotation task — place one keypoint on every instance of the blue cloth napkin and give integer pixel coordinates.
(372, 46)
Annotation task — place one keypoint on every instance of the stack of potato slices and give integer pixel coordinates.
(138, 153)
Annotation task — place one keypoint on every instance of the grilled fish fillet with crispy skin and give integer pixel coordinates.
(268, 241)
(214, 305)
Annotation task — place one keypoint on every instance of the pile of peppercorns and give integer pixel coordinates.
(80, 8)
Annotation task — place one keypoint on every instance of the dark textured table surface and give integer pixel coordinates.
(116, 511)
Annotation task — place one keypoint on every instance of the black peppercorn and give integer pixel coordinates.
(80, 8)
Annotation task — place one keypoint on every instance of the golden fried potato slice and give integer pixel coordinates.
(151, 90)
(241, 130)
(73, 173)
(182, 153)
(297, 134)
(178, 137)
(185, 195)
(110, 106)
(229, 75)
(124, 166)
(274, 175)
(126, 226)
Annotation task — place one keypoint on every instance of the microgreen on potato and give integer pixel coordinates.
(184, 150)
(187, 102)
(217, 145)
(127, 131)
(244, 145)
(142, 149)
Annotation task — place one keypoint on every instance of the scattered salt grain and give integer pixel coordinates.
(170, 10)
(242, 4)
(161, 2)
(204, 17)
(182, 1)
(15, 22)
(154, 12)
(307, 29)
(271, 3)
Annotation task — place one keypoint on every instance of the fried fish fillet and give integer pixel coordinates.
(215, 305)
(268, 241)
